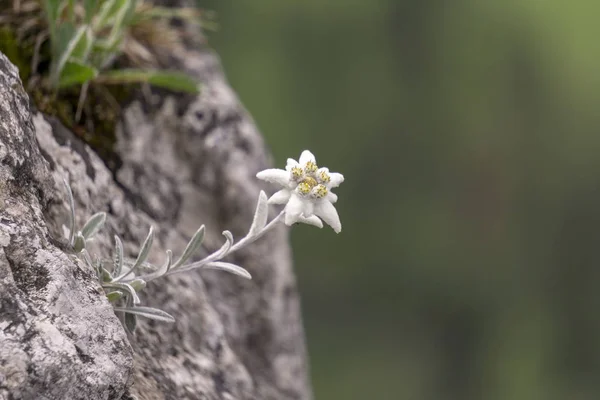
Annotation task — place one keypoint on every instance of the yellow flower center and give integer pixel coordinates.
(311, 180)
(307, 185)
(297, 173)
(324, 177)
(319, 191)
(310, 168)
(303, 188)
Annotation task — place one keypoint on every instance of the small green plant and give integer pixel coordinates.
(308, 198)
(122, 278)
(86, 37)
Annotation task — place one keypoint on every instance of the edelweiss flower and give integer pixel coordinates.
(306, 191)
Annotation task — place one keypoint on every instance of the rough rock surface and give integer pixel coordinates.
(185, 161)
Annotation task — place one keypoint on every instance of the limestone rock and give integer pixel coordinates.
(183, 161)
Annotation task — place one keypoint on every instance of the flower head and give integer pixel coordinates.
(306, 191)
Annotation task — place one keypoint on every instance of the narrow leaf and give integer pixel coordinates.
(83, 46)
(125, 272)
(114, 296)
(148, 312)
(93, 225)
(71, 212)
(138, 284)
(106, 276)
(145, 250)
(79, 243)
(217, 255)
(225, 266)
(175, 81)
(121, 20)
(167, 265)
(191, 247)
(130, 322)
(126, 287)
(75, 73)
(222, 252)
(67, 40)
(107, 12)
(260, 215)
(118, 256)
(130, 319)
(162, 270)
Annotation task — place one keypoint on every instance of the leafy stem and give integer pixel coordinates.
(123, 279)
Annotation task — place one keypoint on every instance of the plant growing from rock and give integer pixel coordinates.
(86, 37)
(78, 58)
(306, 193)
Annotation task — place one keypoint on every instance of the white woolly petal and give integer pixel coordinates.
(327, 212)
(293, 209)
(336, 179)
(307, 156)
(331, 197)
(312, 220)
(280, 197)
(309, 208)
(273, 175)
(291, 163)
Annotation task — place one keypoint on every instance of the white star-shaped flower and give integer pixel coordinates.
(306, 191)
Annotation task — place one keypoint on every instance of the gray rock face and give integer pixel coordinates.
(59, 338)
(185, 161)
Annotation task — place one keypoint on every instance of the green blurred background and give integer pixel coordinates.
(469, 135)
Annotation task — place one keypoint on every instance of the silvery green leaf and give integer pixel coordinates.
(229, 267)
(162, 270)
(93, 225)
(114, 296)
(126, 287)
(79, 244)
(130, 319)
(130, 322)
(71, 213)
(148, 312)
(138, 284)
(222, 252)
(125, 272)
(145, 250)
(167, 265)
(118, 256)
(260, 215)
(191, 247)
(217, 255)
(106, 276)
